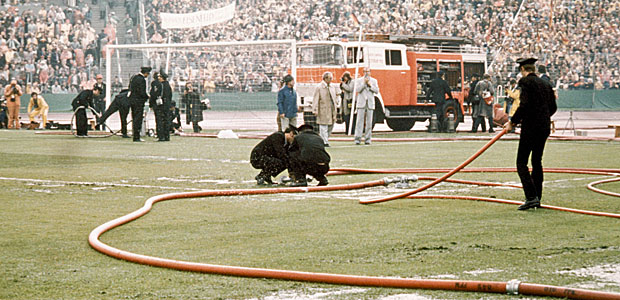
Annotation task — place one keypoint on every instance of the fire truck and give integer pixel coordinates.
(403, 65)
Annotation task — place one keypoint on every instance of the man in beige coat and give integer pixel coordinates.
(324, 105)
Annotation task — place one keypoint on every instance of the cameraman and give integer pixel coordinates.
(12, 94)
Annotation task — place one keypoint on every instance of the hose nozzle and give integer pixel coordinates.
(400, 181)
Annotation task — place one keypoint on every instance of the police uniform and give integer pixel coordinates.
(308, 156)
(438, 89)
(85, 100)
(99, 101)
(137, 98)
(270, 156)
(536, 106)
(120, 104)
(162, 109)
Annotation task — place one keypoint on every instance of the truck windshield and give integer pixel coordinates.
(327, 54)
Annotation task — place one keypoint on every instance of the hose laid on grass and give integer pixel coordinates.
(511, 287)
(442, 178)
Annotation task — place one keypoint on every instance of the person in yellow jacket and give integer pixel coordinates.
(37, 106)
(512, 101)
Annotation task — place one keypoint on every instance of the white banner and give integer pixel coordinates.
(198, 19)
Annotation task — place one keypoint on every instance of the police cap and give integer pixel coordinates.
(526, 61)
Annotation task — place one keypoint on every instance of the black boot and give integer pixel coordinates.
(530, 203)
(322, 180)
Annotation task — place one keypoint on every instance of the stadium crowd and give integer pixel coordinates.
(55, 49)
(51, 49)
(576, 39)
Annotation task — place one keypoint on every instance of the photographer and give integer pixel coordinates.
(12, 94)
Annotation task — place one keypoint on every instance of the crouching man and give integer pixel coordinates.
(270, 155)
(308, 157)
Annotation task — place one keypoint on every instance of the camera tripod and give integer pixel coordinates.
(572, 123)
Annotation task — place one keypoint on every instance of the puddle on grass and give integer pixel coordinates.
(605, 275)
(479, 272)
(216, 181)
(334, 293)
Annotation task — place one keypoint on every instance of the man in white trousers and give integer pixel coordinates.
(366, 88)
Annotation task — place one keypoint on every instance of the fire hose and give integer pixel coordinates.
(512, 287)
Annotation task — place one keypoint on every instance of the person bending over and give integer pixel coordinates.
(270, 155)
(308, 157)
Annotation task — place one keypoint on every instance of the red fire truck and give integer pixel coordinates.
(403, 66)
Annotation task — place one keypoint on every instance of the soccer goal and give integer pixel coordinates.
(239, 79)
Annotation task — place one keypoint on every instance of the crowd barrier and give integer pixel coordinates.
(567, 100)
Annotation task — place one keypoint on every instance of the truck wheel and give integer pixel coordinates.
(450, 113)
(400, 124)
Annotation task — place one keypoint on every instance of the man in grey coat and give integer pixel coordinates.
(324, 105)
(366, 88)
(484, 89)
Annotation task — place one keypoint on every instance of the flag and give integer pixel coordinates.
(355, 20)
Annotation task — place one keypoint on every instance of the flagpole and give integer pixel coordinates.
(359, 55)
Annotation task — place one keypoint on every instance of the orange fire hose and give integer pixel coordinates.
(513, 287)
(442, 178)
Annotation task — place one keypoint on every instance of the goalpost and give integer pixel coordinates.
(240, 78)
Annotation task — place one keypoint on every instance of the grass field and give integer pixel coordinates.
(57, 189)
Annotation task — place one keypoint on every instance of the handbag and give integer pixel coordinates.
(488, 98)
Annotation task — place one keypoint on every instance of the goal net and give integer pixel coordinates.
(239, 79)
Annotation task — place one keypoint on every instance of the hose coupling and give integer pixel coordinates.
(401, 181)
(512, 287)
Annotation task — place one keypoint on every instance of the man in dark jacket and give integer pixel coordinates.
(194, 107)
(80, 104)
(99, 100)
(536, 106)
(174, 114)
(438, 90)
(474, 102)
(308, 156)
(270, 155)
(137, 98)
(161, 106)
(120, 104)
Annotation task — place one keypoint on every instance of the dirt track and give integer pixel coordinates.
(588, 123)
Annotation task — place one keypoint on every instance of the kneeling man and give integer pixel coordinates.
(308, 157)
(270, 155)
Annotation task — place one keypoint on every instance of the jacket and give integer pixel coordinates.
(347, 96)
(366, 93)
(40, 103)
(137, 89)
(84, 98)
(536, 106)
(309, 147)
(287, 102)
(273, 145)
(324, 103)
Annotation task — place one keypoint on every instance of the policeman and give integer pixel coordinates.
(308, 156)
(99, 100)
(120, 104)
(137, 98)
(80, 104)
(161, 106)
(536, 106)
(439, 90)
(270, 155)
